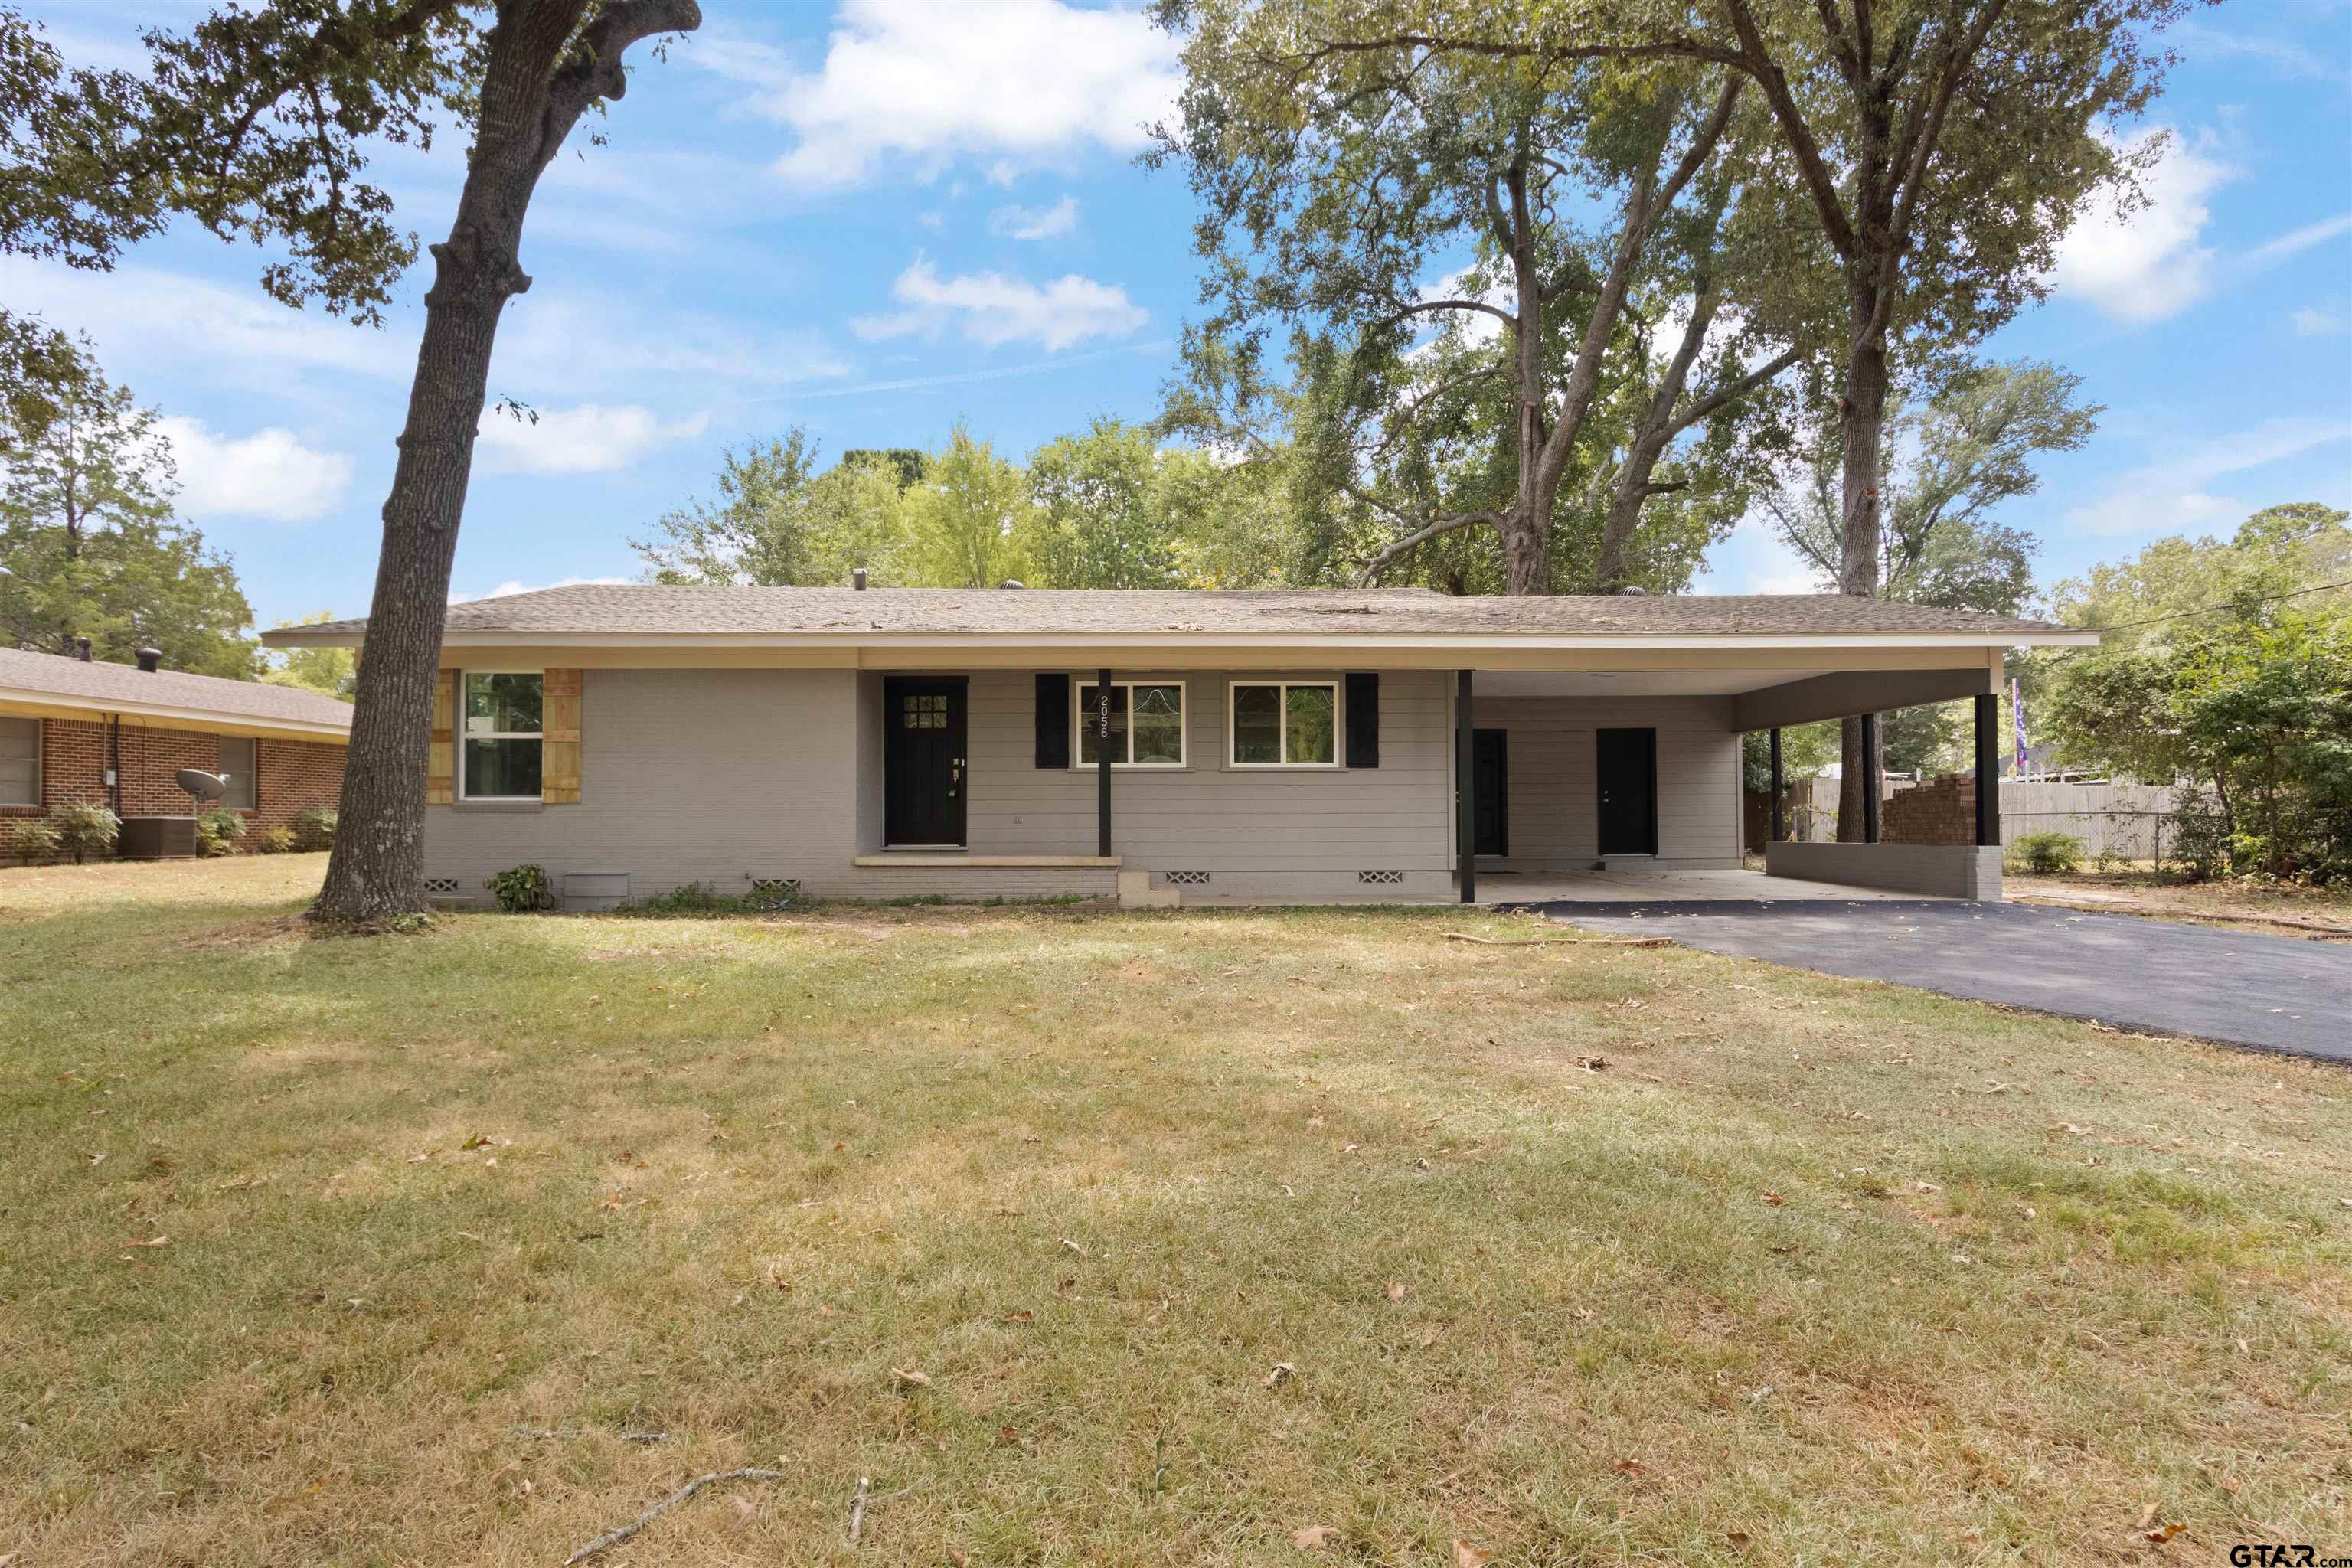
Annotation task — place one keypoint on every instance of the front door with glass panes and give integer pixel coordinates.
(923, 761)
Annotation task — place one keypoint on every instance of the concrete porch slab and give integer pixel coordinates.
(1648, 887)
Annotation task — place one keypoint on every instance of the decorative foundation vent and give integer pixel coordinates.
(1185, 878)
(1380, 879)
(441, 887)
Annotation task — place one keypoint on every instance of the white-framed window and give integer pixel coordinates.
(240, 763)
(1147, 724)
(498, 734)
(20, 762)
(1283, 724)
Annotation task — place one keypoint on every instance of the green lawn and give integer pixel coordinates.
(296, 1235)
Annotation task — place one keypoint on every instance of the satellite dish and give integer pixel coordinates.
(201, 784)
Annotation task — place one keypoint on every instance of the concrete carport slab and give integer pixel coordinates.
(2269, 992)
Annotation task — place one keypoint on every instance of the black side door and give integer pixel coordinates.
(1491, 790)
(922, 760)
(1628, 777)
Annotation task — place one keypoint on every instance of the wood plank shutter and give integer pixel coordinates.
(441, 756)
(559, 737)
(1363, 720)
(1053, 720)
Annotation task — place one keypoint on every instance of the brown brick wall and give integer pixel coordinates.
(295, 775)
(1941, 811)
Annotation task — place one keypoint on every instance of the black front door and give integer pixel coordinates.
(1491, 788)
(922, 760)
(1628, 775)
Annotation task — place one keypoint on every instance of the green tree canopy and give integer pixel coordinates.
(89, 546)
(777, 519)
(1363, 181)
(970, 518)
(328, 671)
(1104, 516)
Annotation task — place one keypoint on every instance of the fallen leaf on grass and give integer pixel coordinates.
(2148, 1516)
(97, 1156)
(1737, 1540)
(1023, 1316)
(475, 1141)
(1282, 1373)
(1629, 1466)
(1468, 1556)
(908, 1375)
(2163, 1533)
(1314, 1538)
(1397, 1291)
(1008, 1437)
(1772, 1197)
(1592, 1064)
(157, 1242)
(745, 1509)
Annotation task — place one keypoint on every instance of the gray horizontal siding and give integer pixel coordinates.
(1209, 816)
(728, 776)
(1554, 801)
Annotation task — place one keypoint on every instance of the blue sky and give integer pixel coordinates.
(873, 218)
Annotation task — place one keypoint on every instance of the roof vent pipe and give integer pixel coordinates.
(81, 649)
(1011, 583)
(857, 578)
(150, 658)
(1631, 592)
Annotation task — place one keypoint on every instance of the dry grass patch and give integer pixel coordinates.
(1806, 1270)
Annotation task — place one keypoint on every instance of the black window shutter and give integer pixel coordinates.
(1363, 720)
(1053, 720)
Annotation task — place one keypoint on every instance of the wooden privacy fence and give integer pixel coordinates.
(2122, 820)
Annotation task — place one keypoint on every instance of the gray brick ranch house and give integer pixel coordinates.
(1165, 745)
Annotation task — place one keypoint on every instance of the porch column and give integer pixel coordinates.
(1465, 789)
(1870, 781)
(1776, 785)
(1102, 763)
(1988, 769)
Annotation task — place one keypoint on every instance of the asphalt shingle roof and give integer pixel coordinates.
(642, 609)
(103, 685)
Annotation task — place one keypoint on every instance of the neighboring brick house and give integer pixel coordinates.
(77, 728)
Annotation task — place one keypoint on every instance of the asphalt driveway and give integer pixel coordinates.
(2272, 992)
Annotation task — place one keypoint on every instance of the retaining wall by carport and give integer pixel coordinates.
(1939, 871)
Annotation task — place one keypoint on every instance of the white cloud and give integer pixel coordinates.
(2288, 59)
(2147, 265)
(2177, 493)
(269, 473)
(1035, 222)
(575, 343)
(513, 585)
(2265, 256)
(2320, 322)
(1016, 81)
(994, 309)
(142, 315)
(1003, 173)
(589, 439)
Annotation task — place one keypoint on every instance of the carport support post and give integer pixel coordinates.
(1988, 769)
(1870, 781)
(1102, 763)
(1776, 785)
(1466, 790)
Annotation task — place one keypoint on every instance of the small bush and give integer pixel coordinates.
(2048, 854)
(31, 838)
(689, 899)
(519, 890)
(279, 840)
(314, 828)
(83, 828)
(217, 831)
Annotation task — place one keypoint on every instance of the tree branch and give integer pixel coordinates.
(1376, 563)
(1737, 389)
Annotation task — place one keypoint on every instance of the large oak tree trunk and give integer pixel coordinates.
(378, 865)
(544, 66)
(1861, 419)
